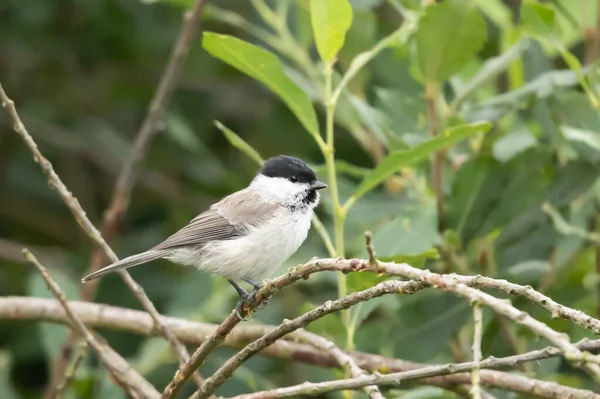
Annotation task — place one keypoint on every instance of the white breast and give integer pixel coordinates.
(255, 255)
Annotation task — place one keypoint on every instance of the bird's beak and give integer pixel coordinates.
(317, 185)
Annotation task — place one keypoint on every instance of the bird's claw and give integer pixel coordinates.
(264, 303)
(239, 307)
(247, 299)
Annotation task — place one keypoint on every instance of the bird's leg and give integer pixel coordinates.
(256, 288)
(244, 295)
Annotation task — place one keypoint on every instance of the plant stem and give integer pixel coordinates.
(436, 166)
(339, 213)
(477, 336)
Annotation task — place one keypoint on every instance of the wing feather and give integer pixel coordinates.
(227, 219)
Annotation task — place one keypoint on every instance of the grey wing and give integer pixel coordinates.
(225, 220)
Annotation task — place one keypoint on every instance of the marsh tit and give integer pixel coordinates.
(247, 234)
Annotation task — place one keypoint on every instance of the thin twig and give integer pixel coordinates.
(451, 283)
(71, 370)
(149, 128)
(88, 227)
(477, 336)
(542, 388)
(225, 372)
(478, 281)
(125, 182)
(199, 356)
(344, 359)
(133, 383)
(370, 248)
(139, 322)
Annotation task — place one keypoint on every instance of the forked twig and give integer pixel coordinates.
(88, 227)
(133, 383)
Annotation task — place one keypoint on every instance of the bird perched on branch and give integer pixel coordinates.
(247, 234)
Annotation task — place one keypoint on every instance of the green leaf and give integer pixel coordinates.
(449, 34)
(589, 138)
(433, 317)
(364, 280)
(330, 20)
(413, 260)
(541, 87)
(402, 159)
(538, 19)
(52, 335)
(490, 69)
(237, 142)
(517, 141)
(411, 233)
(466, 187)
(564, 227)
(497, 12)
(265, 67)
(529, 271)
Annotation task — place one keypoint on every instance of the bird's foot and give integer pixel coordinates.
(239, 307)
(244, 295)
(257, 287)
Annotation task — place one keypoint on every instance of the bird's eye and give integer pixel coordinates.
(294, 179)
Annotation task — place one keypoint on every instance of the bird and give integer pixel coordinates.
(247, 234)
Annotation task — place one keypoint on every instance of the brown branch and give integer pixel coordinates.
(126, 180)
(404, 270)
(72, 369)
(452, 283)
(199, 356)
(133, 383)
(88, 227)
(592, 40)
(344, 359)
(149, 128)
(526, 291)
(225, 372)
(370, 248)
(349, 265)
(288, 348)
(540, 388)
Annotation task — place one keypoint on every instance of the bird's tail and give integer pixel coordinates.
(130, 261)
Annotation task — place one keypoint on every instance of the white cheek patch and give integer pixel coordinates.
(278, 189)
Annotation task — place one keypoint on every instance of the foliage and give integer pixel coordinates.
(514, 100)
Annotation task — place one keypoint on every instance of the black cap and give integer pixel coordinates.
(288, 168)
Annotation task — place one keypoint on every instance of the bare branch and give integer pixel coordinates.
(70, 371)
(344, 359)
(133, 383)
(88, 227)
(537, 297)
(370, 248)
(452, 283)
(199, 356)
(526, 385)
(226, 370)
(404, 270)
(150, 127)
(477, 336)
(139, 322)
(541, 388)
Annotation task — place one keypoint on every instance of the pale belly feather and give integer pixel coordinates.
(255, 255)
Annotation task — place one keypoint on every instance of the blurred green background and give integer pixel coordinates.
(82, 74)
